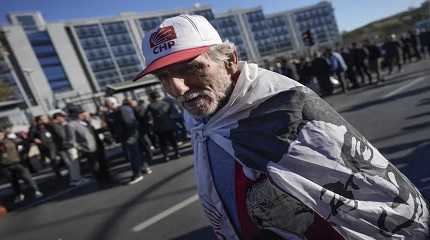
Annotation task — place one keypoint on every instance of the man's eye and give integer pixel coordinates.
(161, 75)
(198, 66)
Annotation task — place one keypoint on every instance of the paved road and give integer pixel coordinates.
(393, 115)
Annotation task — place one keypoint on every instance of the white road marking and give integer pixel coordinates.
(420, 79)
(139, 227)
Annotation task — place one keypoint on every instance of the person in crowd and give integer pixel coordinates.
(59, 135)
(11, 167)
(406, 48)
(392, 56)
(285, 68)
(373, 56)
(100, 155)
(103, 112)
(123, 118)
(359, 57)
(24, 146)
(304, 71)
(272, 159)
(80, 137)
(268, 65)
(43, 138)
(177, 115)
(321, 70)
(143, 128)
(337, 66)
(350, 70)
(424, 38)
(414, 44)
(160, 111)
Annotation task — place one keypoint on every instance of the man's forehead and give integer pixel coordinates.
(180, 65)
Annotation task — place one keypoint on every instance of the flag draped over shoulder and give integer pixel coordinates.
(275, 126)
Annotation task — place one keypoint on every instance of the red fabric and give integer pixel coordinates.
(248, 229)
(176, 57)
(322, 230)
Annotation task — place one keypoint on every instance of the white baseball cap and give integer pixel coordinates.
(177, 39)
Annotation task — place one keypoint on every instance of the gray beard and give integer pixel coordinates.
(225, 100)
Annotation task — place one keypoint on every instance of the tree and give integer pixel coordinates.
(6, 92)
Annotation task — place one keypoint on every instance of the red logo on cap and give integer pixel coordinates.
(163, 35)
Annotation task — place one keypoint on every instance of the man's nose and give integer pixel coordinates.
(177, 86)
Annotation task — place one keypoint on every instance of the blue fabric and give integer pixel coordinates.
(334, 63)
(223, 173)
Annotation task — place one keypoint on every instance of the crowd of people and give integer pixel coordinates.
(69, 140)
(355, 65)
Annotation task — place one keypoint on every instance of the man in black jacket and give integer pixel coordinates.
(321, 70)
(392, 56)
(373, 56)
(359, 56)
(124, 126)
(164, 125)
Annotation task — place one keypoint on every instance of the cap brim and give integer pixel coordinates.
(172, 58)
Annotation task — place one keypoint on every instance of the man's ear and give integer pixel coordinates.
(231, 63)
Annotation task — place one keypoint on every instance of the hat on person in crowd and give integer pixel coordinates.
(177, 39)
(112, 101)
(154, 95)
(75, 110)
(59, 114)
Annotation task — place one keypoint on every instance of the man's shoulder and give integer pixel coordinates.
(125, 108)
(73, 124)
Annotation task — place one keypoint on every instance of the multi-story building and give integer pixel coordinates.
(319, 19)
(259, 36)
(14, 93)
(231, 27)
(107, 49)
(46, 61)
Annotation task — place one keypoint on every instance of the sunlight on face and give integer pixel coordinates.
(206, 85)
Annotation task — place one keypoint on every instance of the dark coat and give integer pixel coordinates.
(161, 114)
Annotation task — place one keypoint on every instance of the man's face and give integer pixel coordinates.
(84, 116)
(61, 119)
(202, 86)
(44, 119)
(133, 103)
(108, 105)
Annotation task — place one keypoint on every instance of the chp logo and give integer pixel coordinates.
(162, 39)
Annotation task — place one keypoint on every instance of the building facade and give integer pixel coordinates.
(319, 19)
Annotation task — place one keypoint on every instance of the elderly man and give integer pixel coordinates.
(273, 160)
